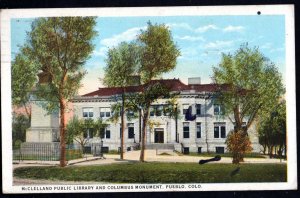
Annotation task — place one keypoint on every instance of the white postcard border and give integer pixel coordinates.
(287, 10)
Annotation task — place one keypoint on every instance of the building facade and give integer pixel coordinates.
(207, 132)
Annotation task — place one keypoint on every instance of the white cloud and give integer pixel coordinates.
(218, 44)
(266, 46)
(190, 38)
(231, 28)
(127, 36)
(101, 52)
(206, 28)
(279, 49)
(180, 25)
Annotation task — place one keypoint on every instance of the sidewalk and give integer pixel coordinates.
(133, 156)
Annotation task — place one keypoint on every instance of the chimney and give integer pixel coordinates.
(194, 81)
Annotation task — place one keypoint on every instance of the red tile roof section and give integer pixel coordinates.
(171, 84)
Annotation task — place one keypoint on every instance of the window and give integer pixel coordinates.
(104, 112)
(218, 109)
(102, 133)
(199, 150)
(130, 130)
(186, 130)
(87, 112)
(220, 150)
(120, 131)
(105, 133)
(89, 133)
(198, 109)
(130, 113)
(220, 130)
(244, 124)
(184, 108)
(152, 110)
(186, 150)
(157, 110)
(198, 130)
(167, 109)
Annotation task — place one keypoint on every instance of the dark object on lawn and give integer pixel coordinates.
(235, 171)
(188, 114)
(216, 158)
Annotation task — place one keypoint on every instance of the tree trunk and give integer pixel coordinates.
(176, 125)
(122, 130)
(237, 156)
(265, 148)
(62, 132)
(145, 118)
(140, 126)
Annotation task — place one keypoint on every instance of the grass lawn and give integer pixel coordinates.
(248, 155)
(160, 173)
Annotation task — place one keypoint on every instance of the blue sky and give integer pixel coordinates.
(201, 40)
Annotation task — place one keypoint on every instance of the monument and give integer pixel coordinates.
(42, 138)
(44, 126)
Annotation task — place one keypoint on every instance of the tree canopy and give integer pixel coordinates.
(58, 47)
(23, 79)
(77, 130)
(159, 51)
(158, 55)
(253, 87)
(122, 63)
(272, 130)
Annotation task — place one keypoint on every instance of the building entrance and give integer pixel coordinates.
(159, 135)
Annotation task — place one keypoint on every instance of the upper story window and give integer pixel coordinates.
(185, 108)
(130, 113)
(218, 109)
(244, 124)
(87, 112)
(104, 112)
(152, 111)
(158, 110)
(220, 130)
(166, 110)
(198, 109)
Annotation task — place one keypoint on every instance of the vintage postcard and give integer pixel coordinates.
(148, 99)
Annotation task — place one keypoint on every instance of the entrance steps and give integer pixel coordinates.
(160, 146)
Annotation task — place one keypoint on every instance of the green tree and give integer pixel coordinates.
(121, 64)
(254, 86)
(173, 112)
(78, 130)
(74, 132)
(272, 130)
(23, 80)
(19, 125)
(158, 55)
(59, 47)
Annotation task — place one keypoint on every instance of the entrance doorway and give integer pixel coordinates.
(159, 135)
